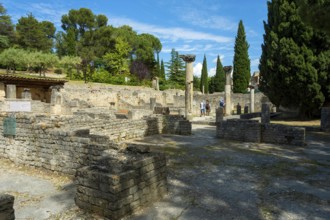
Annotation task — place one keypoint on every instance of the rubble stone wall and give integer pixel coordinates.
(115, 195)
(66, 143)
(7, 211)
(239, 129)
(283, 134)
(254, 131)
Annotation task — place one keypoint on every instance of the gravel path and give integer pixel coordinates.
(217, 179)
(208, 178)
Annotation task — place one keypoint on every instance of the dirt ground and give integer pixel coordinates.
(208, 178)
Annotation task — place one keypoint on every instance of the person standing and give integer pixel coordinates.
(202, 108)
(208, 107)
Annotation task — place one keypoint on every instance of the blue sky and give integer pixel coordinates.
(190, 26)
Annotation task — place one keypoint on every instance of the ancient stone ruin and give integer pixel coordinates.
(250, 130)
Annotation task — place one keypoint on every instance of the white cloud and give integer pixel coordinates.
(198, 69)
(212, 71)
(204, 20)
(169, 33)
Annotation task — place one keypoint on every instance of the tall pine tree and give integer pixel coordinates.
(220, 77)
(162, 70)
(176, 70)
(294, 65)
(204, 77)
(241, 73)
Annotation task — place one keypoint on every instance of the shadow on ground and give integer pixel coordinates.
(219, 179)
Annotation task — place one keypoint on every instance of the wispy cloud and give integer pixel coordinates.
(204, 20)
(45, 11)
(169, 33)
(197, 69)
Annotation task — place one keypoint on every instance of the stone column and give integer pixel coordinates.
(189, 59)
(265, 113)
(11, 91)
(228, 91)
(152, 103)
(325, 119)
(251, 99)
(56, 100)
(155, 83)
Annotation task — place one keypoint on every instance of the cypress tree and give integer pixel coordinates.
(294, 65)
(241, 73)
(204, 77)
(220, 77)
(162, 70)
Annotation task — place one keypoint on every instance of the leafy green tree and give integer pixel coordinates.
(70, 63)
(241, 72)
(42, 61)
(197, 82)
(315, 13)
(34, 35)
(117, 60)
(294, 65)
(11, 58)
(162, 70)
(212, 83)
(6, 29)
(220, 77)
(176, 70)
(218, 81)
(204, 78)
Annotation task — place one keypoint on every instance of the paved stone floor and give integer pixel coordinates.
(208, 178)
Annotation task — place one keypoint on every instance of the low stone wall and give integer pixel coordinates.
(250, 115)
(239, 129)
(253, 131)
(65, 144)
(177, 124)
(7, 211)
(325, 119)
(116, 191)
(283, 134)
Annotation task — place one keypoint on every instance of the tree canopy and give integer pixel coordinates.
(241, 72)
(204, 85)
(294, 65)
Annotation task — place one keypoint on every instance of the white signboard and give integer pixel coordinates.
(19, 106)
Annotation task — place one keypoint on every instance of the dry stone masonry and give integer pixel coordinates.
(254, 131)
(7, 211)
(116, 187)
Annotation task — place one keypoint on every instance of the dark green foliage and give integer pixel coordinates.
(176, 70)
(162, 70)
(218, 81)
(294, 65)
(35, 35)
(197, 83)
(315, 13)
(204, 77)
(241, 72)
(212, 84)
(6, 29)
